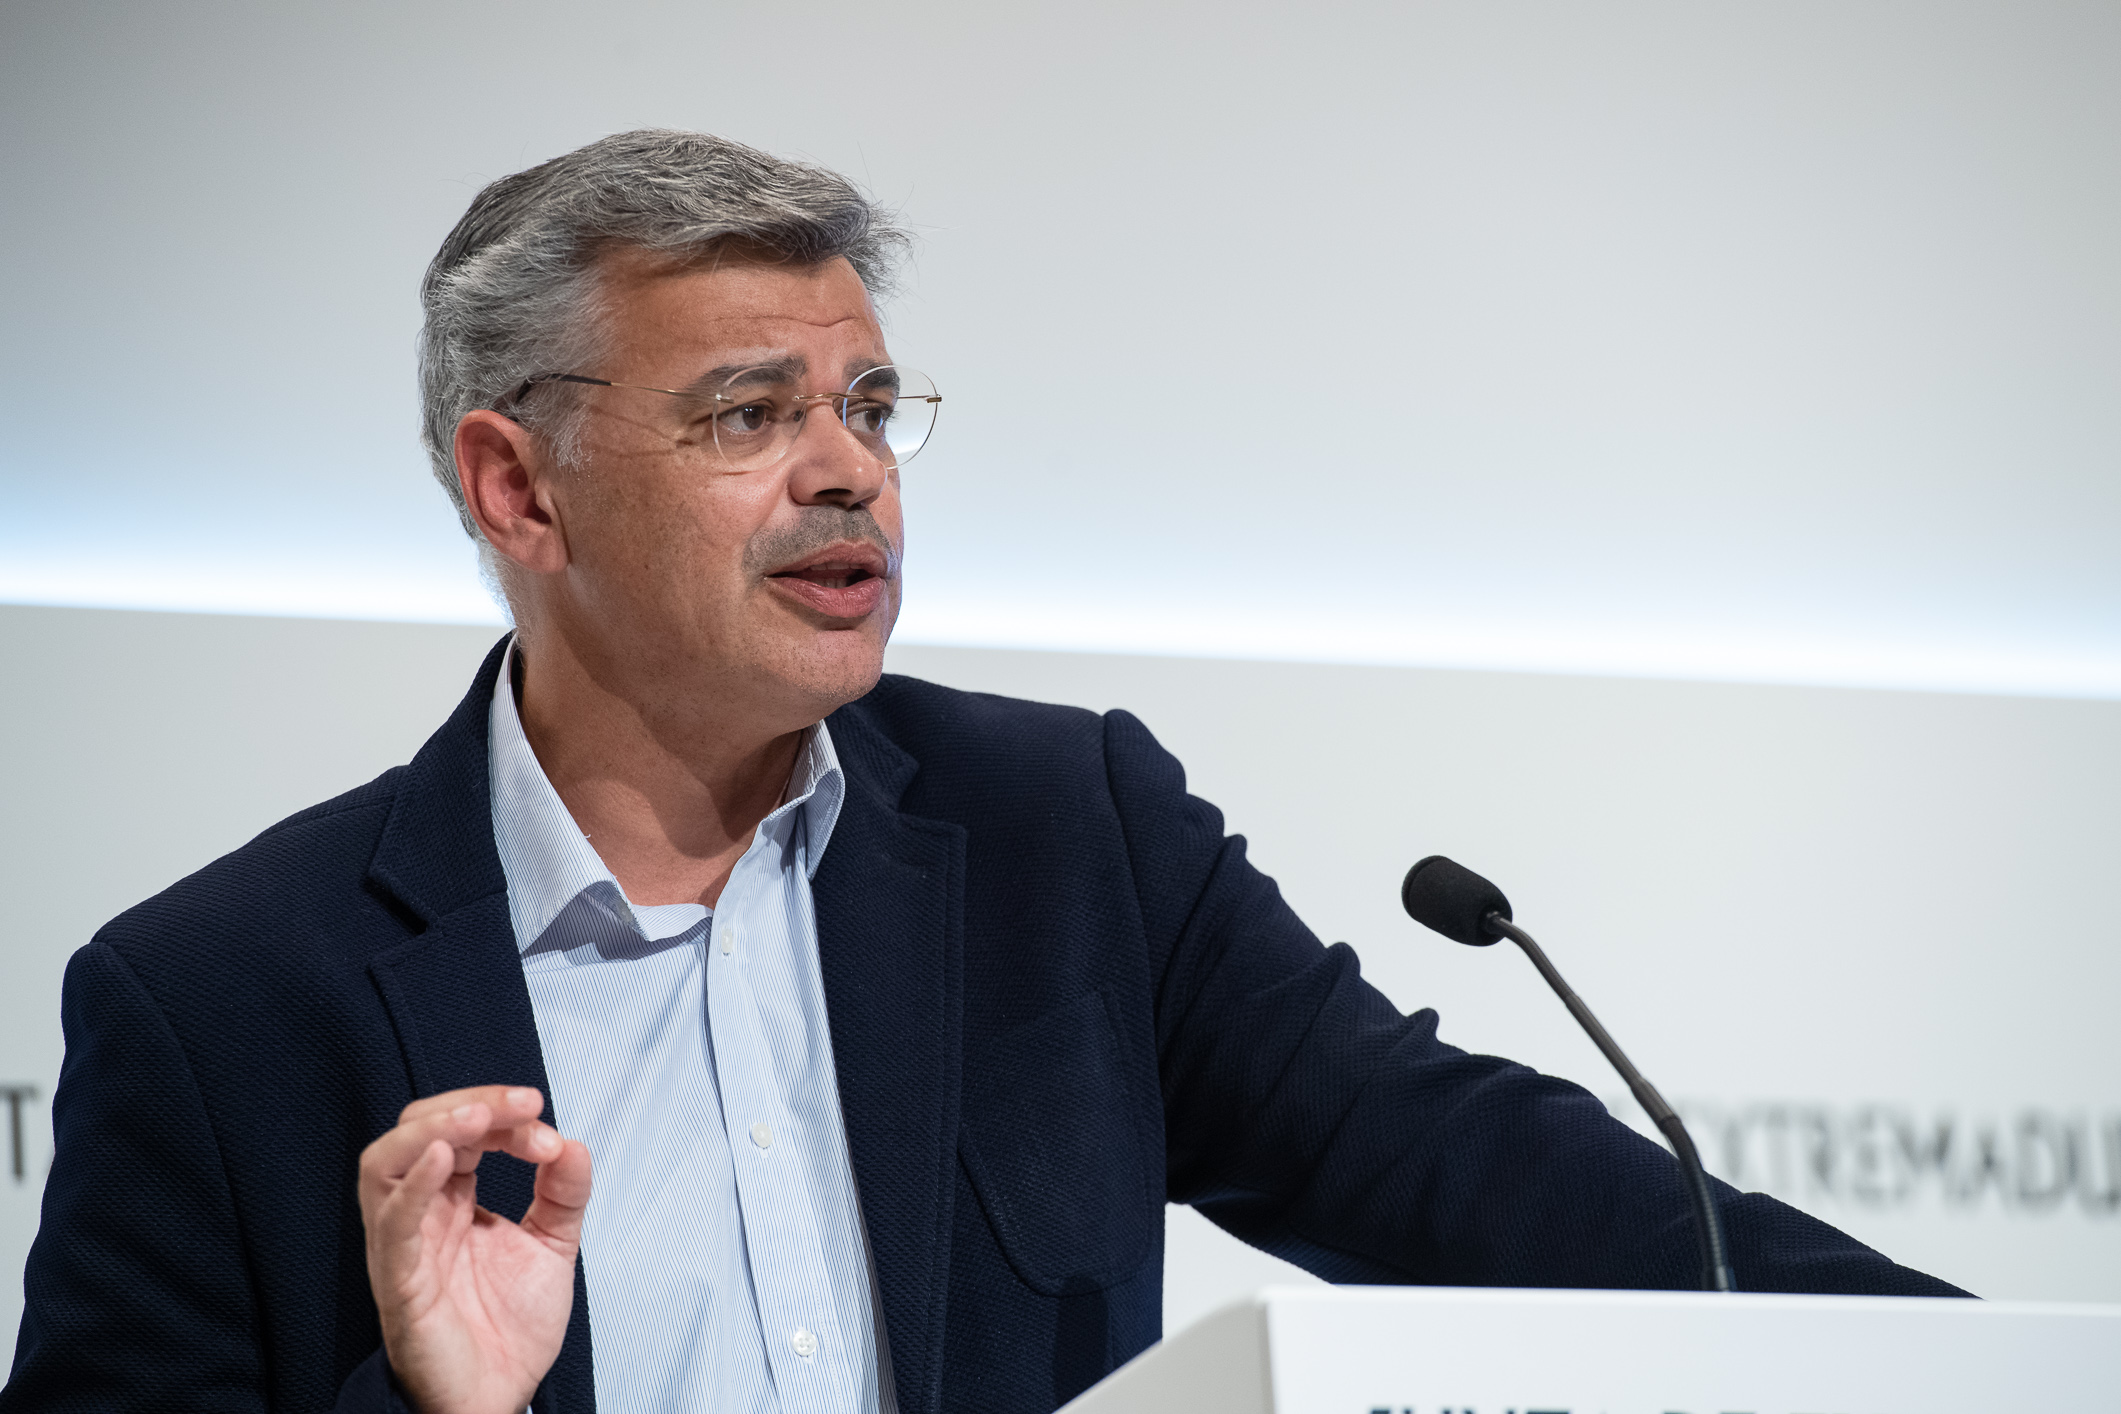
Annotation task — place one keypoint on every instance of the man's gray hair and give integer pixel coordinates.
(512, 292)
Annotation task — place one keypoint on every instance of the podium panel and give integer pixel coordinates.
(1444, 1350)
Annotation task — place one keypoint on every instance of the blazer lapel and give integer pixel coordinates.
(889, 896)
(455, 991)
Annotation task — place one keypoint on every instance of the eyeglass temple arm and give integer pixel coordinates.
(522, 389)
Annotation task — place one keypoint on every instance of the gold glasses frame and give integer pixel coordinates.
(523, 389)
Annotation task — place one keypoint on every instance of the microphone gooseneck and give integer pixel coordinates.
(1456, 902)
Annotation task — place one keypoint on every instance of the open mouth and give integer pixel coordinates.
(827, 576)
(841, 582)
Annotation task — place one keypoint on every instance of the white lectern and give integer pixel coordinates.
(1445, 1350)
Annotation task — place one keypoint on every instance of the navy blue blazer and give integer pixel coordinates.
(1059, 997)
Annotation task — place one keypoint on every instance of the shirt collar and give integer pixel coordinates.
(549, 862)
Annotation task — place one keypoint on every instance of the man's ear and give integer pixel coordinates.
(508, 490)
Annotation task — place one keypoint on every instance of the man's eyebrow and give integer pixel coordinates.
(778, 368)
(856, 367)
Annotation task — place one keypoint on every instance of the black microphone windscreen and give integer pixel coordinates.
(1452, 899)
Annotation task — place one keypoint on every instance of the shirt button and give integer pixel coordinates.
(762, 1134)
(803, 1343)
(728, 941)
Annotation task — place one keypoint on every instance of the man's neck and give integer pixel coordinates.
(669, 788)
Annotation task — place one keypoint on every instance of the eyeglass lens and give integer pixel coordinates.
(759, 412)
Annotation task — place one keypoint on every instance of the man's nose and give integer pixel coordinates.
(832, 466)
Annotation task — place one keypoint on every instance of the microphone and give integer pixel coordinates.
(1466, 908)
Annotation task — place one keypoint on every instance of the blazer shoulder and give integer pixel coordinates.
(376, 794)
(979, 730)
(304, 871)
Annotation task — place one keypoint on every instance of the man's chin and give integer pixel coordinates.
(837, 662)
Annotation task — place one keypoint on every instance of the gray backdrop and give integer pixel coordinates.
(1866, 938)
(1759, 340)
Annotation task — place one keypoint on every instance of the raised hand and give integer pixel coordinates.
(473, 1306)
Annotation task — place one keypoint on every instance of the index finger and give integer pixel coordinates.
(510, 1105)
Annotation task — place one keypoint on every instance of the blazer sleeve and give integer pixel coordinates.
(136, 1294)
(1307, 1116)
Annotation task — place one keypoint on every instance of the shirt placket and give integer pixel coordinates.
(800, 1325)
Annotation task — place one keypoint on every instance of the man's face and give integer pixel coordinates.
(777, 585)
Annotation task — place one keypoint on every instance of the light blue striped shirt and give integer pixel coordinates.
(688, 1048)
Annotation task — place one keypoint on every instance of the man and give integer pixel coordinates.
(833, 1042)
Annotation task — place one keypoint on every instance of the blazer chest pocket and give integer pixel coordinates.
(1049, 1143)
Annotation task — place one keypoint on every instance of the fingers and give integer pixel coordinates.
(562, 1194)
(395, 1224)
(511, 1125)
(532, 1141)
(392, 1156)
(454, 1129)
(471, 1122)
(510, 1104)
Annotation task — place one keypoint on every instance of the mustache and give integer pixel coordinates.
(816, 528)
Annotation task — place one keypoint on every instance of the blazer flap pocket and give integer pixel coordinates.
(1049, 1143)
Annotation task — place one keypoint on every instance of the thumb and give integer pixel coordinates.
(562, 1193)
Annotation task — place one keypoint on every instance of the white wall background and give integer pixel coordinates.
(1733, 340)
(1822, 913)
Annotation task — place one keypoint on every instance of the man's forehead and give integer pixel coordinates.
(739, 309)
(728, 288)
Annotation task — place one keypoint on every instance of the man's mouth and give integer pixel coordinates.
(841, 582)
(829, 576)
